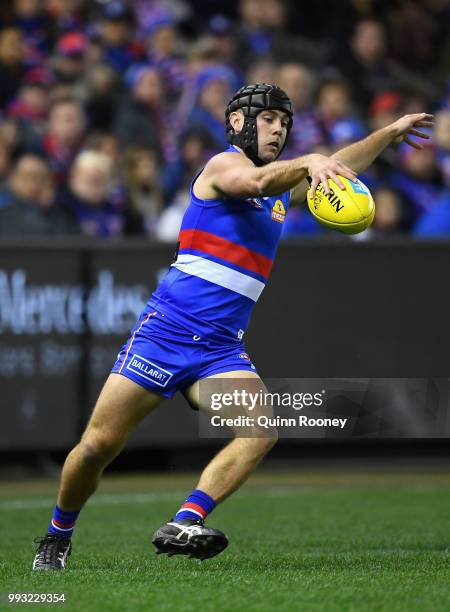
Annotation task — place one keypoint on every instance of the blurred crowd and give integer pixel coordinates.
(108, 109)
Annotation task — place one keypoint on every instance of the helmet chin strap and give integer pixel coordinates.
(249, 145)
(247, 139)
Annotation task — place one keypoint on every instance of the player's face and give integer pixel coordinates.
(272, 128)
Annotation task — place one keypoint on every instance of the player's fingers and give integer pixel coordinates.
(418, 133)
(424, 123)
(314, 184)
(335, 177)
(324, 181)
(412, 143)
(347, 172)
(421, 116)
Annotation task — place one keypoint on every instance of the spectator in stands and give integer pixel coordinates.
(64, 137)
(413, 33)
(418, 179)
(286, 47)
(307, 132)
(27, 202)
(162, 40)
(339, 120)
(366, 67)
(201, 59)
(12, 63)
(87, 196)
(199, 56)
(143, 118)
(28, 111)
(106, 143)
(28, 181)
(69, 62)
(214, 89)
(30, 105)
(254, 41)
(223, 48)
(195, 150)
(223, 44)
(32, 21)
(196, 147)
(393, 215)
(10, 136)
(102, 89)
(384, 109)
(264, 32)
(155, 74)
(64, 16)
(120, 51)
(143, 181)
(262, 71)
(5, 160)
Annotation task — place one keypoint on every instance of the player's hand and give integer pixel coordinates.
(406, 126)
(322, 168)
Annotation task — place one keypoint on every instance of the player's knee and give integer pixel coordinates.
(262, 445)
(99, 449)
(269, 441)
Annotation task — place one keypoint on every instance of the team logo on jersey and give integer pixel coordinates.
(278, 211)
(254, 202)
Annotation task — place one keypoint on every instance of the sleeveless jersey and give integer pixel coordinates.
(226, 249)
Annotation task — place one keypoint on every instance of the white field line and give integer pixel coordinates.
(114, 499)
(104, 499)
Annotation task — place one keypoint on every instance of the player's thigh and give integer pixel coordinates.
(239, 379)
(249, 395)
(121, 405)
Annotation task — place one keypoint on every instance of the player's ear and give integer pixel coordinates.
(237, 120)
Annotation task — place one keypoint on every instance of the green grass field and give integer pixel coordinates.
(317, 541)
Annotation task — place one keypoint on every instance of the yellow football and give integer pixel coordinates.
(350, 210)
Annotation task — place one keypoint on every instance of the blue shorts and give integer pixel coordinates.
(165, 356)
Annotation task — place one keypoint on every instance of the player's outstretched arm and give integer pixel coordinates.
(228, 174)
(359, 155)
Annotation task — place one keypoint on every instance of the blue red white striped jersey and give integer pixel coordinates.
(225, 254)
